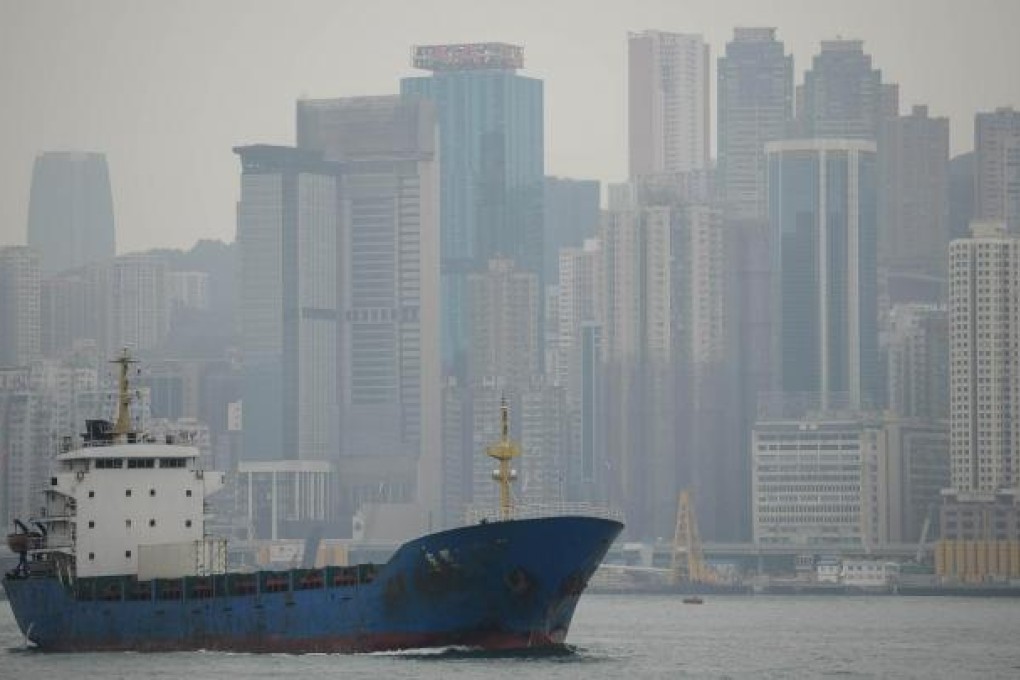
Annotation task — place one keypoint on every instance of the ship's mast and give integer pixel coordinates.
(504, 451)
(123, 425)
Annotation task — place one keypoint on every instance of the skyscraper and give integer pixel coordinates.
(637, 349)
(997, 167)
(843, 96)
(668, 103)
(70, 212)
(491, 175)
(980, 514)
(755, 106)
(20, 335)
(985, 376)
(822, 213)
(913, 166)
(388, 283)
(286, 234)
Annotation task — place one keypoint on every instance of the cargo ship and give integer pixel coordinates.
(119, 560)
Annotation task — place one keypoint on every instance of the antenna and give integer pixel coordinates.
(123, 426)
(504, 451)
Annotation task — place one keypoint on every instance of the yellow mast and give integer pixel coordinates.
(504, 451)
(123, 424)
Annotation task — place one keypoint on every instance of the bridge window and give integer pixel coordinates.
(134, 463)
(109, 463)
(92, 524)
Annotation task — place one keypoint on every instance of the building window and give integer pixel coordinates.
(152, 522)
(127, 554)
(127, 524)
(188, 493)
(92, 494)
(92, 524)
(92, 556)
(187, 522)
(127, 492)
(152, 492)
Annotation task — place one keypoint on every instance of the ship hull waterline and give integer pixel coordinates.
(497, 586)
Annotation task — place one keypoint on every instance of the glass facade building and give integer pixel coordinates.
(70, 212)
(822, 215)
(491, 151)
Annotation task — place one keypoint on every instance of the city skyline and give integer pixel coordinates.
(157, 106)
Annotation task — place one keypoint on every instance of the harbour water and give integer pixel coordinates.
(641, 637)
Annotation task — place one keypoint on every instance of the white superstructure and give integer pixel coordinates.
(106, 502)
(123, 493)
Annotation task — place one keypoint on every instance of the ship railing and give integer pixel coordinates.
(475, 515)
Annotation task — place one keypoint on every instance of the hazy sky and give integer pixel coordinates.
(165, 88)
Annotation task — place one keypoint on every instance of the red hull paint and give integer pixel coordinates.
(489, 641)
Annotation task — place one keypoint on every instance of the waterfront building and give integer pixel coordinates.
(822, 217)
(980, 518)
(491, 143)
(997, 167)
(810, 479)
(70, 212)
(668, 103)
(20, 295)
(280, 499)
(755, 105)
(985, 370)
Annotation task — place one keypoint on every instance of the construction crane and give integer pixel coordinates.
(688, 560)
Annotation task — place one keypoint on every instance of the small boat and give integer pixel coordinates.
(693, 599)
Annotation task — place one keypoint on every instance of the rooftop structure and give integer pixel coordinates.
(467, 57)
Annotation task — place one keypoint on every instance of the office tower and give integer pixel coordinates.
(812, 480)
(388, 289)
(637, 349)
(842, 95)
(491, 175)
(755, 93)
(822, 216)
(388, 267)
(913, 168)
(578, 302)
(70, 212)
(138, 302)
(985, 377)
(997, 167)
(980, 514)
(20, 338)
(917, 350)
(503, 305)
(668, 103)
(571, 216)
(287, 296)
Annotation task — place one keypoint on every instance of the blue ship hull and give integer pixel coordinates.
(500, 585)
